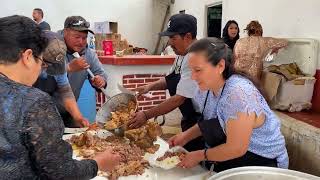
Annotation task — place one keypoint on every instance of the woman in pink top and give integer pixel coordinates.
(250, 51)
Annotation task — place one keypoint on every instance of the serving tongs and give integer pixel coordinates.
(135, 93)
(119, 131)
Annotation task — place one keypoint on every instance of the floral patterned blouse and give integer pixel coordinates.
(250, 51)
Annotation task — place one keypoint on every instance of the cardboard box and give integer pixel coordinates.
(124, 44)
(270, 83)
(288, 95)
(113, 27)
(113, 36)
(116, 45)
(105, 27)
(99, 38)
(128, 51)
(293, 94)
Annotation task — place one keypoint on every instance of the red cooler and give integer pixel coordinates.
(107, 47)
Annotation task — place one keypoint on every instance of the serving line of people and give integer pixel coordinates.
(226, 120)
(231, 120)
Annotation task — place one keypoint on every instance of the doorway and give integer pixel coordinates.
(214, 21)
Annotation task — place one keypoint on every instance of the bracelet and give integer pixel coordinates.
(145, 115)
(205, 154)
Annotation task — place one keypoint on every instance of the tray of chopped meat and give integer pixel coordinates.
(132, 149)
(139, 150)
(138, 160)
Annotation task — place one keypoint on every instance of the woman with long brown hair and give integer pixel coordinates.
(230, 33)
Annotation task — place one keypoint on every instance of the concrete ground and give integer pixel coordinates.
(172, 124)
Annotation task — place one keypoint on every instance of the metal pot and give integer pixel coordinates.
(262, 173)
(111, 105)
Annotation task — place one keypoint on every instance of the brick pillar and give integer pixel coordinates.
(132, 81)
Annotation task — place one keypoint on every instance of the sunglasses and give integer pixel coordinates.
(80, 23)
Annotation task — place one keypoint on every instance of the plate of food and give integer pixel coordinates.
(171, 158)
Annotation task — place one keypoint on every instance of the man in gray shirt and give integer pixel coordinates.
(37, 15)
(74, 34)
(54, 79)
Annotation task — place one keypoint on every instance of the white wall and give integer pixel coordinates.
(279, 18)
(140, 20)
(134, 17)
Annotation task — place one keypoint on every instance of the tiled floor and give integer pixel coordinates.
(172, 125)
(309, 117)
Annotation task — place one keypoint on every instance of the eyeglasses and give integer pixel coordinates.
(43, 63)
(80, 23)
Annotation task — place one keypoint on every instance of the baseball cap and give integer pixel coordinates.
(77, 23)
(54, 54)
(180, 24)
